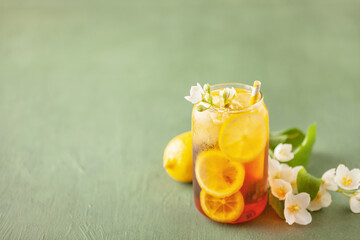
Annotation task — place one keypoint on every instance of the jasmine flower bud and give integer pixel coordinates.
(207, 88)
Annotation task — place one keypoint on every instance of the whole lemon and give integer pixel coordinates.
(177, 158)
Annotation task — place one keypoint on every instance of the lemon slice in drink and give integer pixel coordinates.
(217, 174)
(243, 138)
(226, 209)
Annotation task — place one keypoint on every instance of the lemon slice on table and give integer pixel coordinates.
(226, 209)
(217, 174)
(243, 138)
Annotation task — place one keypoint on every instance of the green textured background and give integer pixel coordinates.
(91, 92)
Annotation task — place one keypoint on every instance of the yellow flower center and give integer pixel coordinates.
(278, 175)
(282, 152)
(281, 192)
(318, 197)
(294, 208)
(346, 180)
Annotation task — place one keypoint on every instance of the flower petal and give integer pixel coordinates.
(346, 179)
(286, 173)
(200, 88)
(355, 176)
(303, 200)
(314, 206)
(303, 217)
(329, 173)
(329, 180)
(287, 147)
(323, 199)
(197, 97)
(279, 188)
(274, 165)
(280, 171)
(273, 168)
(289, 199)
(355, 203)
(189, 99)
(283, 152)
(232, 93)
(289, 217)
(342, 170)
(326, 199)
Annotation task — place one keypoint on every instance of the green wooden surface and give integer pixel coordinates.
(91, 92)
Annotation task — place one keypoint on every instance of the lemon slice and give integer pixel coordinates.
(226, 209)
(217, 174)
(243, 138)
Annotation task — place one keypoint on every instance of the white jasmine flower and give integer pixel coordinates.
(328, 180)
(355, 203)
(279, 188)
(284, 172)
(283, 152)
(295, 208)
(346, 179)
(196, 93)
(227, 94)
(280, 171)
(322, 199)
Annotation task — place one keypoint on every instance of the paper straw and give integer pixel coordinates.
(255, 92)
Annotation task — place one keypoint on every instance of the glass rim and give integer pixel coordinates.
(241, 86)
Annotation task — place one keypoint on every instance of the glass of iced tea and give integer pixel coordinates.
(230, 153)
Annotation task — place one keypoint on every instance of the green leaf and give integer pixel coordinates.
(302, 153)
(294, 136)
(277, 205)
(308, 183)
(275, 139)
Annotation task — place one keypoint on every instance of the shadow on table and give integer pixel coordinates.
(268, 220)
(268, 223)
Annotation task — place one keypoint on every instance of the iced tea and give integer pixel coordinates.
(230, 151)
